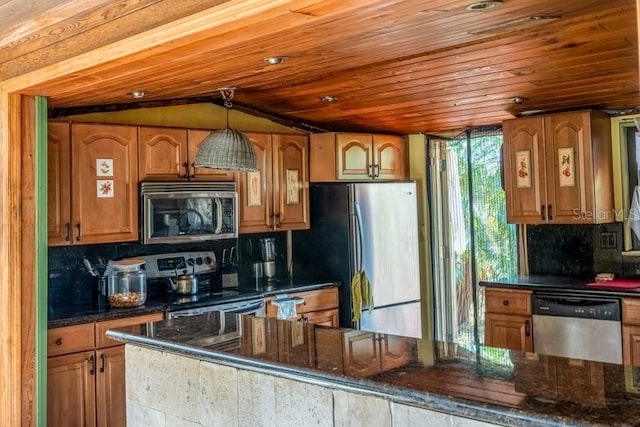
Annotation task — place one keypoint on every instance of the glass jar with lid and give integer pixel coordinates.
(127, 284)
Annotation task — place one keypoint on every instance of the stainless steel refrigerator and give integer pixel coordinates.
(370, 226)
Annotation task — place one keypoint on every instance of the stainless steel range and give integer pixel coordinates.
(210, 296)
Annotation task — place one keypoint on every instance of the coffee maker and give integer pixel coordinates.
(268, 252)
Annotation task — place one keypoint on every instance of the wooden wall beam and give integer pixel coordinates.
(10, 255)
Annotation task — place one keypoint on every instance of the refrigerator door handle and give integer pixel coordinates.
(359, 247)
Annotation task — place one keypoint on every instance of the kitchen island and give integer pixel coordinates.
(230, 369)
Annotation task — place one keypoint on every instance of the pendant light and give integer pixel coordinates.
(227, 149)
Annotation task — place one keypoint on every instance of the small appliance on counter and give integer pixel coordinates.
(268, 251)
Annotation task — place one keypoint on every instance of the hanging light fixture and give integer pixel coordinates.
(227, 149)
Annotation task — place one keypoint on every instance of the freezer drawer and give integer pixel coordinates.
(401, 319)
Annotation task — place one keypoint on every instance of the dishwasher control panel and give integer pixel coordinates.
(582, 307)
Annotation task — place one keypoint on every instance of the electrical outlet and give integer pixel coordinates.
(608, 240)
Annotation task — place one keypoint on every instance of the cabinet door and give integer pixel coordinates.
(631, 345)
(389, 157)
(162, 153)
(255, 192)
(355, 156)
(58, 184)
(195, 138)
(71, 390)
(508, 331)
(321, 317)
(111, 397)
(569, 177)
(361, 354)
(524, 170)
(296, 344)
(104, 183)
(291, 181)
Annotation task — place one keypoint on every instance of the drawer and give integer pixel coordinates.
(70, 339)
(321, 299)
(507, 301)
(631, 311)
(130, 324)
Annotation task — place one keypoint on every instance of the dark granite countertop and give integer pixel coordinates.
(542, 283)
(67, 315)
(517, 389)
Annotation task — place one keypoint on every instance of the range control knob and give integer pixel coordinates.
(199, 261)
(208, 260)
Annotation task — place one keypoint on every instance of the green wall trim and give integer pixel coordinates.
(41, 302)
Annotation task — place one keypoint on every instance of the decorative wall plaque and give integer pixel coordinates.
(254, 189)
(523, 167)
(567, 168)
(293, 186)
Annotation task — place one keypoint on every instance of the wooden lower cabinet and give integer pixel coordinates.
(71, 390)
(86, 374)
(508, 331)
(507, 319)
(368, 353)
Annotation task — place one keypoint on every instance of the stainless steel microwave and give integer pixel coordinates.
(181, 212)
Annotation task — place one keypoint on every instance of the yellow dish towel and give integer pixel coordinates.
(360, 294)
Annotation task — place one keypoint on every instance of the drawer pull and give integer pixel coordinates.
(92, 361)
(102, 359)
(59, 341)
(505, 302)
(527, 328)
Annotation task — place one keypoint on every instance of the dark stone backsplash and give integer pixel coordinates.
(579, 250)
(70, 283)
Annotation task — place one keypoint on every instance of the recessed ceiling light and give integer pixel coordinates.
(136, 94)
(484, 5)
(519, 100)
(275, 60)
(328, 98)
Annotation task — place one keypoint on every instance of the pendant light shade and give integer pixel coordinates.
(227, 149)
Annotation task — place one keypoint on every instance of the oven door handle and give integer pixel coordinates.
(248, 309)
(218, 205)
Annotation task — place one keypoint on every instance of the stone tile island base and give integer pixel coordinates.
(166, 390)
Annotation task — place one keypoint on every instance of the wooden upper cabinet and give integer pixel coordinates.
(169, 154)
(162, 153)
(195, 138)
(558, 169)
(357, 157)
(104, 183)
(58, 184)
(276, 197)
(290, 181)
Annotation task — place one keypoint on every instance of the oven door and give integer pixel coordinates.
(181, 212)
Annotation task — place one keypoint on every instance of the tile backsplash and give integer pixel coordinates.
(579, 250)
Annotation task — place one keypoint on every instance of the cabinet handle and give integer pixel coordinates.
(376, 169)
(273, 221)
(549, 212)
(527, 328)
(67, 232)
(59, 341)
(371, 171)
(193, 175)
(102, 359)
(543, 210)
(79, 236)
(277, 225)
(186, 170)
(92, 360)
(505, 302)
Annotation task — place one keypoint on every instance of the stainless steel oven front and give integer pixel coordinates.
(182, 212)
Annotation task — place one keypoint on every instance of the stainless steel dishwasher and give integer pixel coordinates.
(578, 327)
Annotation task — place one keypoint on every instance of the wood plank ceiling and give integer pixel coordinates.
(402, 66)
